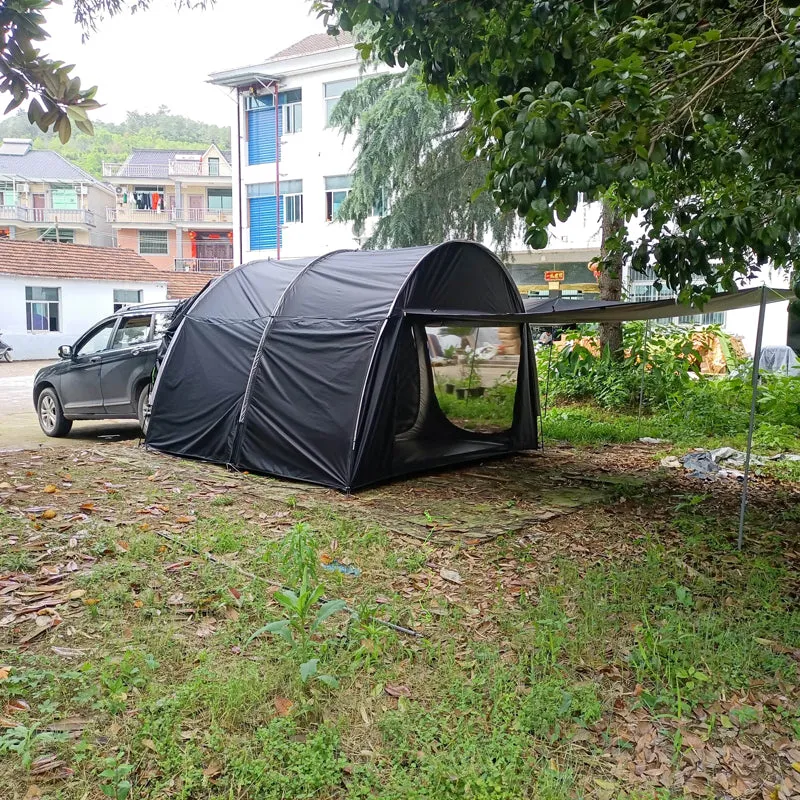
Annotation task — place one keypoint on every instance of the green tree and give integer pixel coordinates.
(683, 115)
(55, 98)
(411, 169)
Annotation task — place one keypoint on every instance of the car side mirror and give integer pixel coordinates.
(65, 351)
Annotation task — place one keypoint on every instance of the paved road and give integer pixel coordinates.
(19, 426)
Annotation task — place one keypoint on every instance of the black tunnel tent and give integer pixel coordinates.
(311, 369)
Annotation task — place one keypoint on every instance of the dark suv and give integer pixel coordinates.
(105, 374)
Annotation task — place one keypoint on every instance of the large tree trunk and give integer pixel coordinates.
(610, 283)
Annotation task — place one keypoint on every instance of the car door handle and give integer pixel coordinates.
(94, 360)
(136, 352)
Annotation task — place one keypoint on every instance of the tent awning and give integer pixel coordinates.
(558, 310)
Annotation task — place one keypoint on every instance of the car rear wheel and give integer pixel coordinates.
(7, 356)
(142, 410)
(51, 417)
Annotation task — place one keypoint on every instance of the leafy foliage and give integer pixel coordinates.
(580, 370)
(410, 166)
(683, 113)
(114, 141)
(56, 99)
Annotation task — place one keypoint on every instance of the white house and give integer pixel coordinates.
(51, 293)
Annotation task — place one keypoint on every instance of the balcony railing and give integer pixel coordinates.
(47, 216)
(218, 216)
(173, 216)
(139, 217)
(174, 168)
(203, 264)
(198, 169)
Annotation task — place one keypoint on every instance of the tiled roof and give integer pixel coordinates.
(51, 260)
(185, 284)
(316, 43)
(43, 164)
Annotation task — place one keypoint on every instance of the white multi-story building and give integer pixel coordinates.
(314, 166)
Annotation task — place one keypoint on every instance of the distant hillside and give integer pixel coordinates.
(112, 142)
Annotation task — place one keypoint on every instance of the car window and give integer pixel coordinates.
(97, 340)
(131, 331)
(161, 323)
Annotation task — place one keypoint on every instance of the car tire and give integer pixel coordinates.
(142, 413)
(50, 414)
(7, 356)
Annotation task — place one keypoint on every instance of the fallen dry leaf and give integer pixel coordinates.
(68, 652)
(34, 793)
(212, 770)
(4, 672)
(49, 514)
(185, 519)
(68, 724)
(395, 690)
(86, 506)
(50, 489)
(283, 705)
(205, 629)
(450, 575)
(76, 594)
(16, 705)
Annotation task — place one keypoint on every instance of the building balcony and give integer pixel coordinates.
(171, 216)
(47, 216)
(173, 169)
(214, 265)
(135, 216)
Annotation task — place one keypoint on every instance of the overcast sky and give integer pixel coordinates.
(163, 56)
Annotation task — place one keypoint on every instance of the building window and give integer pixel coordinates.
(337, 187)
(65, 197)
(126, 297)
(333, 91)
(220, 199)
(293, 205)
(292, 194)
(261, 190)
(641, 291)
(63, 235)
(213, 167)
(153, 243)
(42, 308)
(380, 205)
(292, 118)
(8, 195)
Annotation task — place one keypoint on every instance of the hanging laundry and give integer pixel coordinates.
(155, 197)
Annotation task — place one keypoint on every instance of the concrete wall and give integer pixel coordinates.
(98, 200)
(82, 304)
(128, 239)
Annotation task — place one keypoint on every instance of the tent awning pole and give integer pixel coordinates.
(641, 385)
(756, 363)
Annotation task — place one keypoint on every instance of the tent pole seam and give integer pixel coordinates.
(267, 326)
